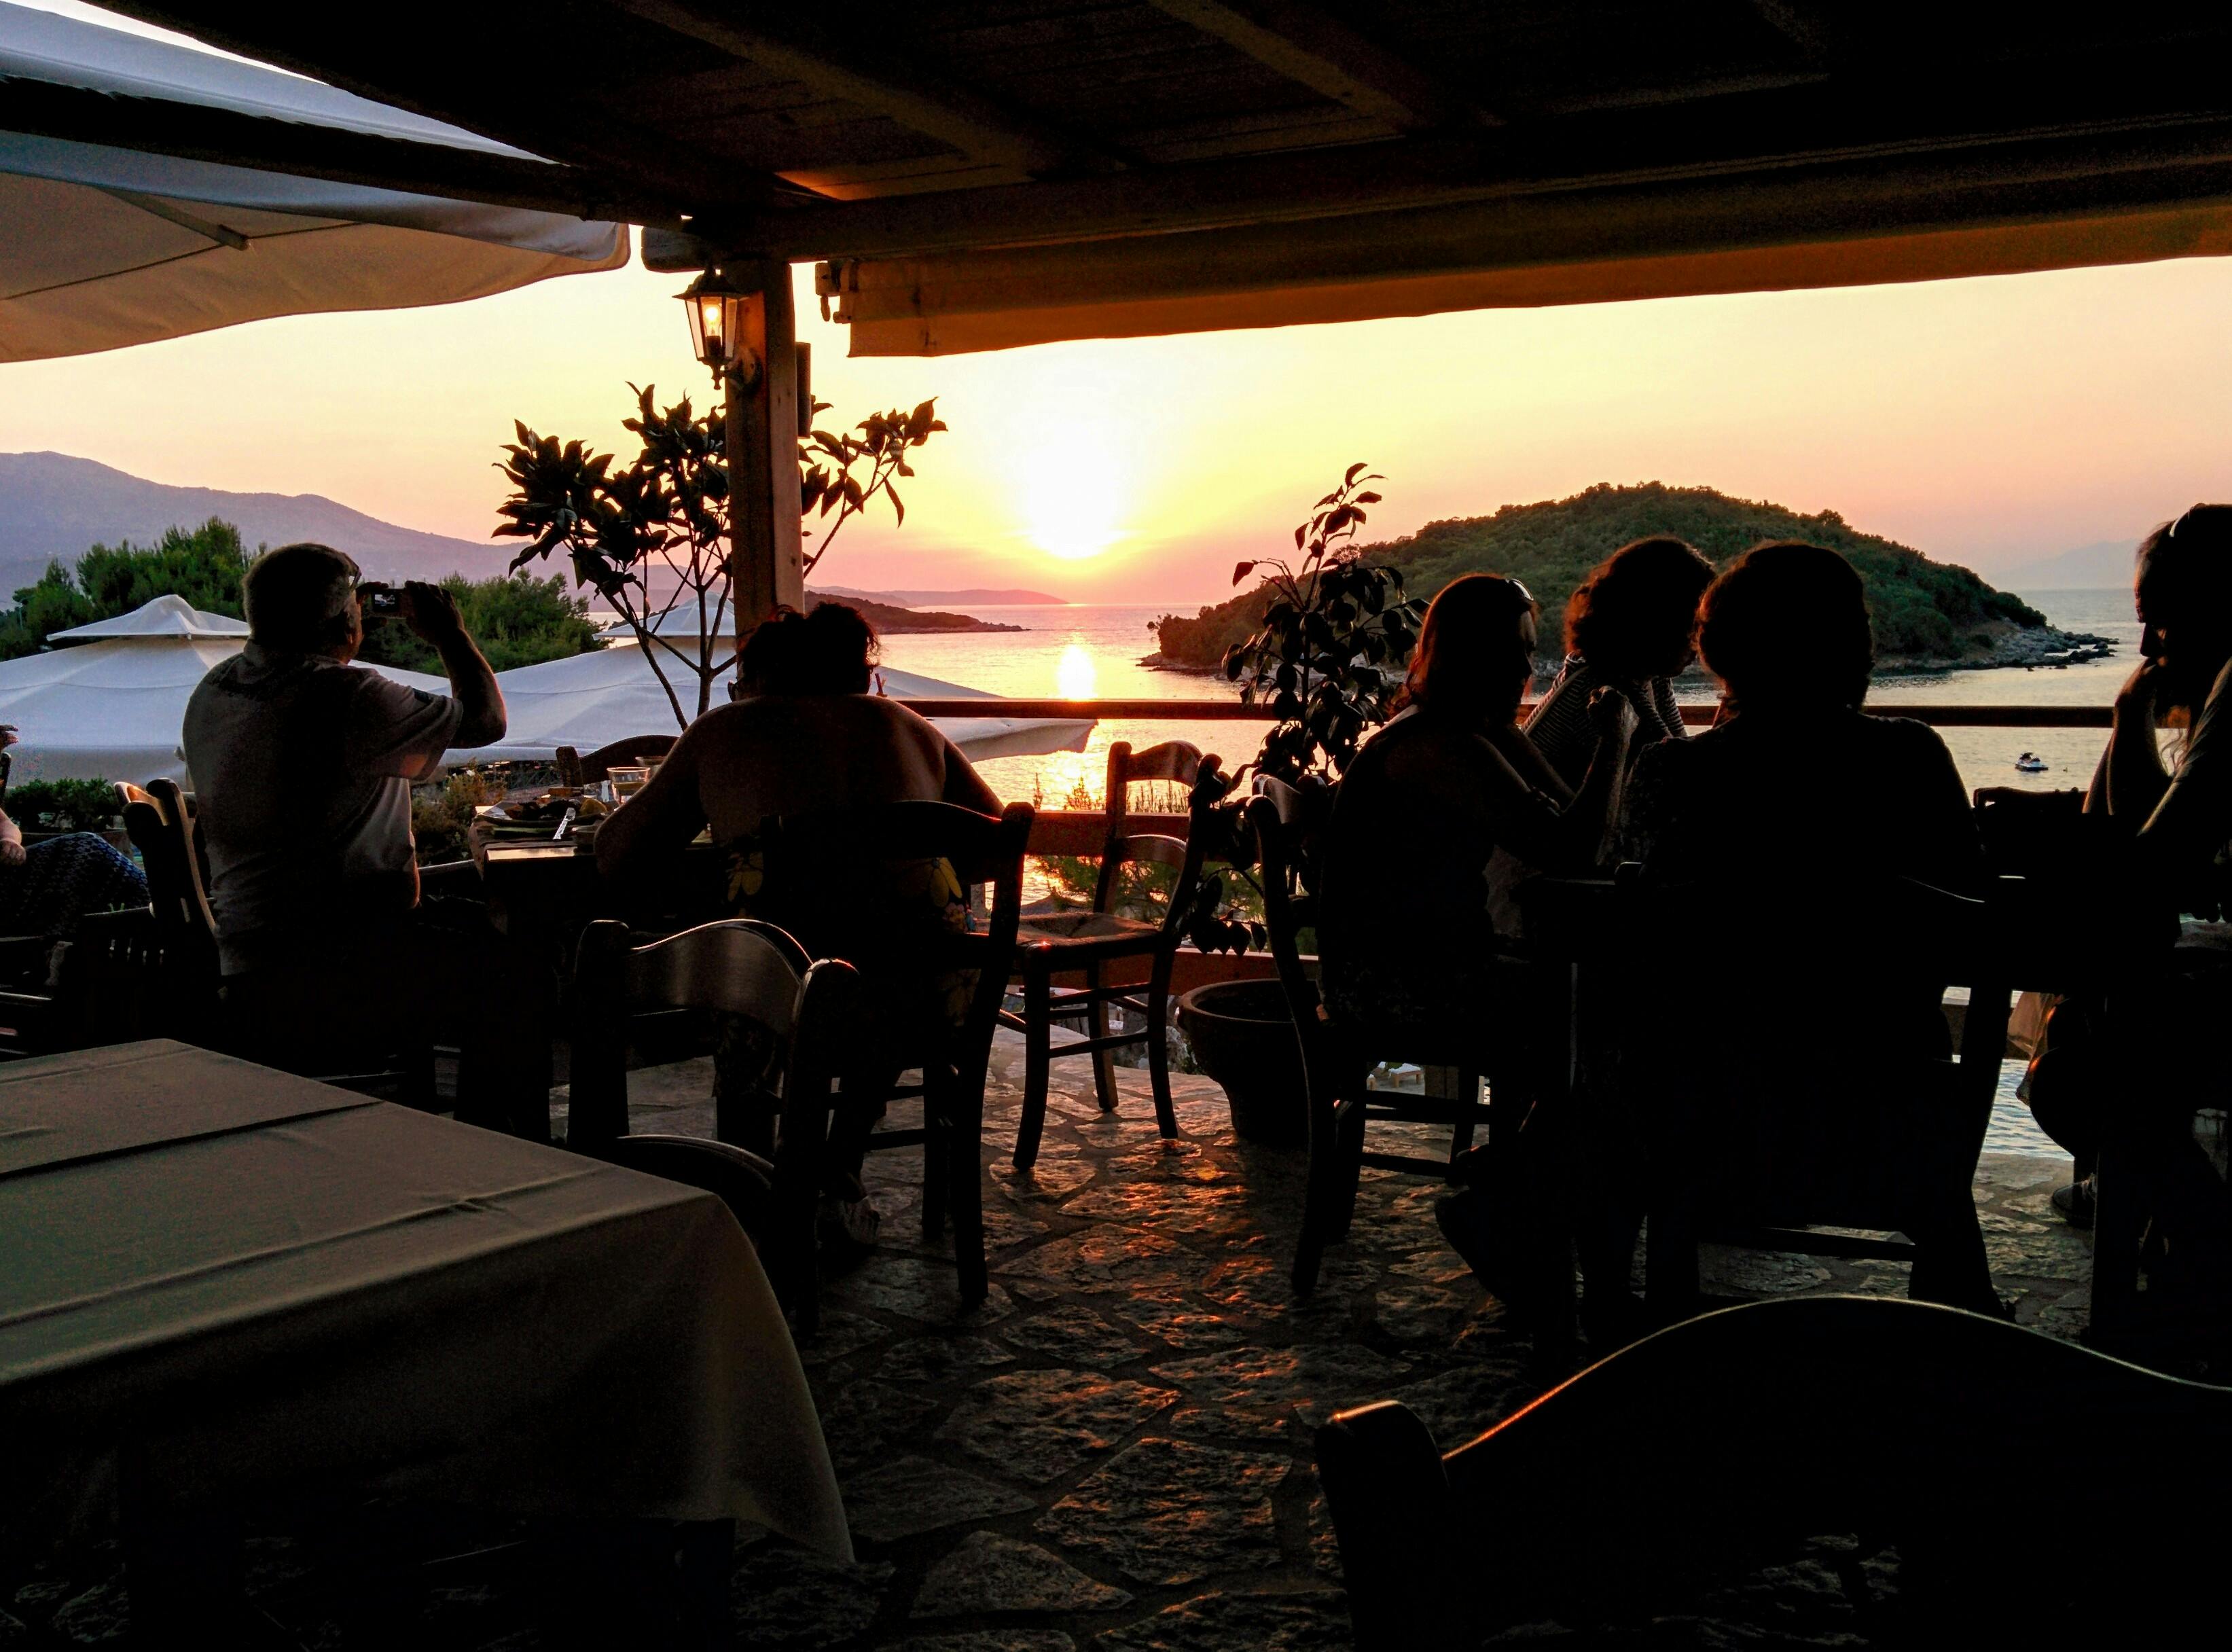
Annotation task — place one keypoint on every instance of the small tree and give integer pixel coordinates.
(203, 565)
(1334, 627)
(517, 619)
(661, 525)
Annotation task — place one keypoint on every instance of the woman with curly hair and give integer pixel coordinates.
(1628, 627)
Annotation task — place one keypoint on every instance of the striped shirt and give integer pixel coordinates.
(1560, 724)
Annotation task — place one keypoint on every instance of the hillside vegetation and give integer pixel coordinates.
(1925, 613)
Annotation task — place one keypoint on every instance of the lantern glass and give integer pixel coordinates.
(715, 318)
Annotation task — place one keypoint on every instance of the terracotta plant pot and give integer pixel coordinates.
(1243, 1038)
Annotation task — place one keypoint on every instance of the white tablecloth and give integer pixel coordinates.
(245, 1279)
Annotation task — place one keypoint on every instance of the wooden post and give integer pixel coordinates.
(763, 546)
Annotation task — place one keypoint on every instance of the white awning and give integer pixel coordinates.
(113, 706)
(102, 247)
(591, 700)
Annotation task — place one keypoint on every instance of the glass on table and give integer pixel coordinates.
(627, 780)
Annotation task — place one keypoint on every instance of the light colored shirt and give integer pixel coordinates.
(302, 767)
(1559, 725)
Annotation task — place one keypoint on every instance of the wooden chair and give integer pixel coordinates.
(189, 981)
(97, 988)
(734, 967)
(1723, 1443)
(1091, 941)
(836, 850)
(575, 769)
(1783, 963)
(1337, 1059)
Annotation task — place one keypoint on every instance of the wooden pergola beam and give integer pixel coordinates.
(790, 43)
(1333, 60)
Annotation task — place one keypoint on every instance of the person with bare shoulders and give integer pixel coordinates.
(805, 736)
(1441, 806)
(2168, 835)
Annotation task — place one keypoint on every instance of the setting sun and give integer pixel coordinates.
(1074, 676)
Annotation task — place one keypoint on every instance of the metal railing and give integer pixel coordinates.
(1945, 716)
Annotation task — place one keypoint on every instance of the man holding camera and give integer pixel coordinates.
(302, 764)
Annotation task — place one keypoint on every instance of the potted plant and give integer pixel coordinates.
(1335, 625)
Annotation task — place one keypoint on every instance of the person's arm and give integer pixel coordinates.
(1939, 844)
(11, 841)
(653, 827)
(2132, 770)
(1572, 838)
(2191, 819)
(431, 614)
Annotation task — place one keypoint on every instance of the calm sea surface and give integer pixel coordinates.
(1088, 650)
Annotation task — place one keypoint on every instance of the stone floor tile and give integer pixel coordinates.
(1048, 1182)
(991, 1641)
(940, 1360)
(788, 1599)
(1107, 1255)
(839, 1334)
(919, 1288)
(1041, 1426)
(1300, 1621)
(914, 1495)
(865, 1422)
(986, 1573)
(1069, 1335)
(1171, 1511)
(1316, 1379)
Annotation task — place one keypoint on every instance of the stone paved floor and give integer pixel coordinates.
(1113, 1452)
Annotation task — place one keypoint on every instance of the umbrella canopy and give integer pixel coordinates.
(591, 700)
(111, 704)
(103, 245)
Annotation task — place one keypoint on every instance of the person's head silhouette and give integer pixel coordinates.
(2183, 584)
(1476, 651)
(1786, 628)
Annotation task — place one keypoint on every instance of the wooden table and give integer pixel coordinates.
(229, 1280)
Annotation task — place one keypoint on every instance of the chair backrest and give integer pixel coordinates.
(828, 848)
(163, 831)
(737, 967)
(1281, 817)
(576, 769)
(127, 795)
(1179, 763)
(2034, 834)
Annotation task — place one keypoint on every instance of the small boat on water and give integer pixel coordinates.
(2031, 763)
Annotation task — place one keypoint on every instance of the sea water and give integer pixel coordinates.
(1089, 650)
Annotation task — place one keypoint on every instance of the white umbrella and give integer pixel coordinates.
(111, 702)
(591, 700)
(102, 246)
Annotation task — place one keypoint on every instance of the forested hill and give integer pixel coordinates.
(1926, 614)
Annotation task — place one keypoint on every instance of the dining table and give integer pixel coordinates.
(222, 1281)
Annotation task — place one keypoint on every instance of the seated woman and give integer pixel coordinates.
(1632, 624)
(2173, 837)
(47, 887)
(1412, 932)
(1795, 800)
(1410, 927)
(803, 736)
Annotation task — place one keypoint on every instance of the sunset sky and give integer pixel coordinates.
(1984, 421)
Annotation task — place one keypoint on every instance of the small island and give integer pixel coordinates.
(891, 620)
(1929, 616)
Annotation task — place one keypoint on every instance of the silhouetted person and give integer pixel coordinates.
(1632, 626)
(302, 763)
(1409, 931)
(1782, 819)
(47, 888)
(2170, 833)
(805, 736)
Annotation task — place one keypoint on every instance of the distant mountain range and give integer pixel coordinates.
(54, 506)
(2103, 566)
(975, 597)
